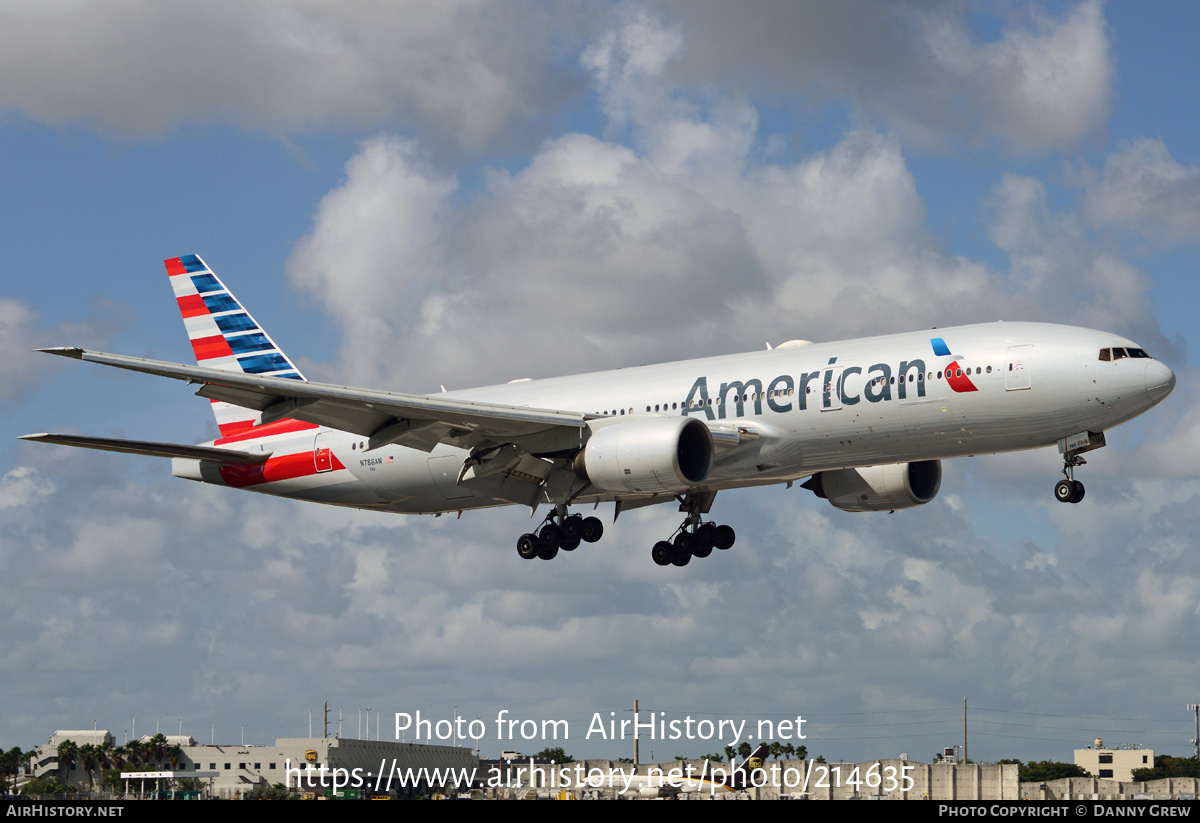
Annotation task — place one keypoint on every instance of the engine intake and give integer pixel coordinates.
(656, 454)
(879, 488)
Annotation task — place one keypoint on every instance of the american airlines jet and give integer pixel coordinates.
(865, 423)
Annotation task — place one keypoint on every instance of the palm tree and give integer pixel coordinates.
(158, 748)
(87, 762)
(68, 753)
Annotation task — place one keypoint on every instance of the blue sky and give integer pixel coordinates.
(465, 193)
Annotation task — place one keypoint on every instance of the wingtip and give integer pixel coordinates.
(64, 351)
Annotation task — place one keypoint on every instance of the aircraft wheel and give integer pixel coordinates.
(572, 528)
(550, 536)
(706, 536)
(547, 552)
(1077, 491)
(681, 553)
(703, 550)
(725, 537)
(593, 529)
(569, 544)
(1063, 492)
(662, 553)
(527, 546)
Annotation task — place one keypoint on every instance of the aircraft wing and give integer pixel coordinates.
(416, 421)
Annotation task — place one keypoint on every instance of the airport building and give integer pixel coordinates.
(307, 765)
(1113, 764)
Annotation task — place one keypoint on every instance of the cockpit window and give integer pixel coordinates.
(1118, 353)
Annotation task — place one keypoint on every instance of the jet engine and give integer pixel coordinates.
(652, 455)
(879, 488)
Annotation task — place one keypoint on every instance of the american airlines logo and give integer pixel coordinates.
(826, 388)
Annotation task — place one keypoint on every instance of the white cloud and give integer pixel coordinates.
(22, 331)
(462, 73)
(1044, 84)
(1143, 189)
(471, 74)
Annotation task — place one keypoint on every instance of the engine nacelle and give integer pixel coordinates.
(879, 488)
(651, 455)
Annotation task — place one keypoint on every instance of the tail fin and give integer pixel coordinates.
(741, 777)
(224, 335)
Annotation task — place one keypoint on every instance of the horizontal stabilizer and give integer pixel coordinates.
(151, 449)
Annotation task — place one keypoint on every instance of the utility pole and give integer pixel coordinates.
(636, 760)
(964, 757)
(1195, 707)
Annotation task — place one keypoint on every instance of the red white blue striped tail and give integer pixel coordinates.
(224, 335)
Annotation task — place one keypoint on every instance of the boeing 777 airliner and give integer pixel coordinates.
(864, 422)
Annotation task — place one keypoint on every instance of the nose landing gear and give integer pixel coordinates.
(1069, 490)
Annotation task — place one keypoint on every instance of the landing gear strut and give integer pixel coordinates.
(559, 531)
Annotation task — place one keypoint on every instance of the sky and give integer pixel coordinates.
(465, 193)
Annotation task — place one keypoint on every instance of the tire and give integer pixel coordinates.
(569, 544)
(593, 529)
(706, 536)
(550, 536)
(703, 550)
(547, 552)
(662, 553)
(1077, 491)
(725, 537)
(572, 528)
(528, 546)
(681, 551)
(1063, 492)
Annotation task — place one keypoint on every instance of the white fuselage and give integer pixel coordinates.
(810, 408)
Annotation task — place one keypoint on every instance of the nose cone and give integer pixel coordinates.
(1160, 380)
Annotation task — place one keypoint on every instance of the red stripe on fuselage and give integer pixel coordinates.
(174, 266)
(192, 305)
(285, 426)
(230, 429)
(284, 467)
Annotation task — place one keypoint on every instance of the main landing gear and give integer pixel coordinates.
(559, 531)
(1070, 490)
(693, 539)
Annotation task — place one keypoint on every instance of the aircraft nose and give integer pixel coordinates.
(1160, 380)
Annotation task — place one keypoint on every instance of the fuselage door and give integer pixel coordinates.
(322, 457)
(831, 388)
(1017, 368)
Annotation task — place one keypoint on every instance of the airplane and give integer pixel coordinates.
(710, 779)
(865, 423)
